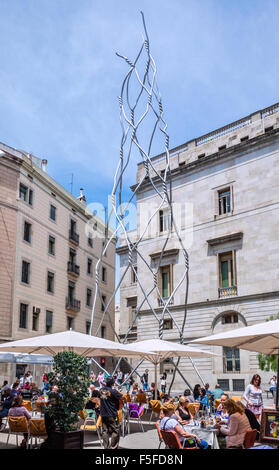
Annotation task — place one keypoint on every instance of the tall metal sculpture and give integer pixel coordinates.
(145, 106)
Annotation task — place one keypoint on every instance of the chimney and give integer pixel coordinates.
(81, 197)
(44, 164)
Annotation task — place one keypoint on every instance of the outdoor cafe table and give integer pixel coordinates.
(208, 434)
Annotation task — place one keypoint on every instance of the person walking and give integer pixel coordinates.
(273, 384)
(109, 406)
(163, 379)
(144, 381)
(253, 396)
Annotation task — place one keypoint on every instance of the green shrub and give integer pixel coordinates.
(71, 377)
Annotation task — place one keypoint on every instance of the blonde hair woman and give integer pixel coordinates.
(182, 412)
(168, 423)
(238, 425)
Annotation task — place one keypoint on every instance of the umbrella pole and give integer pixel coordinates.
(97, 364)
(277, 385)
(156, 381)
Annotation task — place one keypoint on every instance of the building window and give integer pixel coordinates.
(23, 315)
(238, 385)
(90, 240)
(70, 323)
(168, 324)
(30, 198)
(103, 331)
(52, 213)
(25, 272)
(27, 232)
(49, 317)
(224, 384)
(50, 282)
(104, 274)
(51, 245)
(87, 327)
(35, 321)
(230, 318)
(88, 297)
(23, 192)
(104, 301)
(89, 266)
(224, 201)
(231, 359)
(133, 274)
(227, 270)
(166, 281)
(164, 220)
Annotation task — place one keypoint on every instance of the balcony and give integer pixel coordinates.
(72, 304)
(164, 300)
(74, 237)
(73, 268)
(225, 292)
(132, 336)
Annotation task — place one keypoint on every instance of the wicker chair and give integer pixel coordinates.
(17, 425)
(37, 429)
(155, 407)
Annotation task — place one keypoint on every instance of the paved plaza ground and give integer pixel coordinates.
(136, 439)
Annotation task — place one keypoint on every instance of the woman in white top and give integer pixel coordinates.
(253, 396)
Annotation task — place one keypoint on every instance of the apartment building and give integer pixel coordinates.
(229, 181)
(50, 244)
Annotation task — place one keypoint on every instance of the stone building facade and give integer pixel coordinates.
(226, 186)
(50, 244)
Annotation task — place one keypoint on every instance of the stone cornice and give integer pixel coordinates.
(213, 158)
(216, 302)
(225, 238)
(171, 252)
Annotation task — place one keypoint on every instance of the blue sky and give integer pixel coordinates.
(59, 76)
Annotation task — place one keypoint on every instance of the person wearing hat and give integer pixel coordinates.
(168, 423)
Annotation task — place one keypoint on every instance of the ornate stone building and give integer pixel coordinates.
(227, 184)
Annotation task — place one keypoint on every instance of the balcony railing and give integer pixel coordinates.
(227, 292)
(73, 268)
(164, 300)
(72, 304)
(74, 237)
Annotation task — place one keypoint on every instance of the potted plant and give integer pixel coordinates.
(70, 376)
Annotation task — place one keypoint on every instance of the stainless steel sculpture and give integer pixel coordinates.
(144, 106)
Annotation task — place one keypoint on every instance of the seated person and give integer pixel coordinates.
(238, 425)
(221, 410)
(17, 409)
(93, 404)
(203, 399)
(182, 412)
(35, 392)
(6, 405)
(152, 390)
(167, 423)
(188, 395)
(254, 423)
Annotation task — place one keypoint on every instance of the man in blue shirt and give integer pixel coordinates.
(217, 392)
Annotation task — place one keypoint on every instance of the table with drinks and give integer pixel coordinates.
(203, 426)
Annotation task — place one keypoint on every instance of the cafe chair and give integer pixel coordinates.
(17, 425)
(161, 440)
(126, 398)
(92, 425)
(217, 403)
(28, 405)
(155, 407)
(141, 398)
(37, 429)
(249, 439)
(136, 413)
(193, 408)
(171, 440)
(236, 398)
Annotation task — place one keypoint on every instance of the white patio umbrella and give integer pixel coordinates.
(167, 349)
(261, 337)
(80, 343)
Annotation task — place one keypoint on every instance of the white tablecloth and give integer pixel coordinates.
(208, 435)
